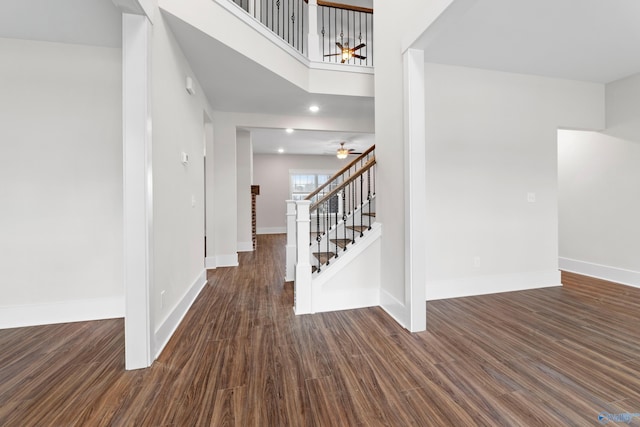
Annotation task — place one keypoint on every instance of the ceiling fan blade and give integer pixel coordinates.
(333, 54)
(359, 56)
(352, 149)
(360, 46)
(339, 45)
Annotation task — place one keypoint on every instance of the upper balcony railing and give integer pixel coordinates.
(320, 30)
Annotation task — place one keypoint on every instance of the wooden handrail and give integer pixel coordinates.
(363, 169)
(340, 172)
(343, 6)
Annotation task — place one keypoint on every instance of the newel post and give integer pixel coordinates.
(302, 285)
(290, 248)
(313, 37)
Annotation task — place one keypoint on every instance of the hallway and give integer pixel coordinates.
(556, 356)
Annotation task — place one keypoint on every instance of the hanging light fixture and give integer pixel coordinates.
(342, 152)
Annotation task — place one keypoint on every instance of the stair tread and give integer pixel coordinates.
(373, 214)
(359, 228)
(323, 257)
(341, 242)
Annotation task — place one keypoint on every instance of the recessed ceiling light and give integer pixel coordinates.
(289, 130)
(280, 150)
(314, 108)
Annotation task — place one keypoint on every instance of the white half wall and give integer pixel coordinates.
(61, 173)
(271, 173)
(492, 187)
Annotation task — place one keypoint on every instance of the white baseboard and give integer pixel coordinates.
(482, 285)
(171, 323)
(61, 312)
(245, 246)
(605, 272)
(394, 307)
(213, 262)
(271, 230)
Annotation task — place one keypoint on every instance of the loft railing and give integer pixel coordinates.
(321, 30)
(347, 33)
(286, 18)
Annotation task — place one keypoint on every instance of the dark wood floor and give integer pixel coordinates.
(549, 357)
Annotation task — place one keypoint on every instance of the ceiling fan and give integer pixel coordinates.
(347, 53)
(343, 152)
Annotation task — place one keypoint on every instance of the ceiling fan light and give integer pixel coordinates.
(342, 152)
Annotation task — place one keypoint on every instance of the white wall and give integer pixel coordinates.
(623, 104)
(61, 174)
(599, 197)
(599, 204)
(244, 169)
(491, 141)
(178, 189)
(271, 173)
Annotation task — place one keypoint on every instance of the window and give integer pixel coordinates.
(302, 183)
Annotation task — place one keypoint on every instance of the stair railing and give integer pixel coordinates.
(343, 203)
(339, 205)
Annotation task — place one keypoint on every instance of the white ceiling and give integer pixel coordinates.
(589, 40)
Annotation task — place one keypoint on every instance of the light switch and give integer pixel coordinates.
(531, 197)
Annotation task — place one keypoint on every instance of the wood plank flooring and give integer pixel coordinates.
(548, 357)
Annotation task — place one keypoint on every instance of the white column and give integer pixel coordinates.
(138, 195)
(415, 190)
(313, 37)
(290, 248)
(302, 286)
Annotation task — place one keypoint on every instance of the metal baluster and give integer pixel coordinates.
(369, 194)
(344, 216)
(318, 235)
(336, 205)
(361, 203)
(327, 219)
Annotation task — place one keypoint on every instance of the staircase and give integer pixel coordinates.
(332, 241)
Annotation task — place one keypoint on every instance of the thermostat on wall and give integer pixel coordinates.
(185, 158)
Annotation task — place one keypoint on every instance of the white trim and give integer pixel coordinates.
(245, 246)
(599, 271)
(394, 307)
(271, 230)
(137, 189)
(61, 312)
(415, 205)
(213, 262)
(210, 263)
(482, 285)
(171, 323)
